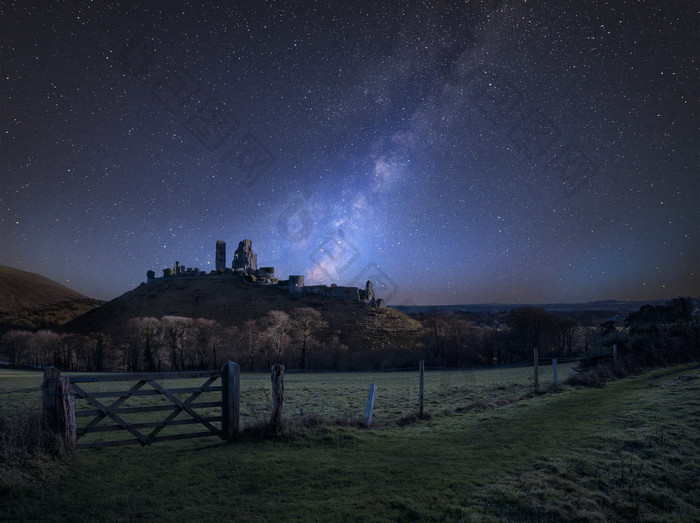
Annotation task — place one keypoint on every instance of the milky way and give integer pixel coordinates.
(450, 152)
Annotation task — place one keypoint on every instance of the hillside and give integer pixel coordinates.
(32, 301)
(231, 302)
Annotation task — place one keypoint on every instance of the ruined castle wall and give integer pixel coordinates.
(342, 293)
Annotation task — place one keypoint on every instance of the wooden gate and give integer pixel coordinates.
(60, 393)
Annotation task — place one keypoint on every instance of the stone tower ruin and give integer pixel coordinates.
(296, 286)
(220, 256)
(243, 258)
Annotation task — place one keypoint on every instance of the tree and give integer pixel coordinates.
(71, 345)
(17, 346)
(653, 316)
(46, 347)
(335, 348)
(438, 326)
(204, 347)
(144, 337)
(102, 348)
(175, 330)
(532, 327)
(607, 327)
(436, 331)
(305, 323)
(684, 308)
(564, 332)
(277, 333)
(251, 342)
(223, 345)
(85, 348)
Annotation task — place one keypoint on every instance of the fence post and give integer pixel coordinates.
(421, 372)
(230, 399)
(615, 354)
(537, 368)
(58, 406)
(277, 376)
(370, 404)
(554, 370)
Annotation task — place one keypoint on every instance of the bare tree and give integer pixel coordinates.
(144, 338)
(85, 349)
(204, 349)
(532, 327)
(17, 345)
(335, 348)
(279, 324)
(175, 330)
(564, 333)
(251, 342)
(46, 346)
(72, 354)
(305, 323)
(438, 325)
(224, 345)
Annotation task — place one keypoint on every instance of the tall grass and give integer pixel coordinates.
(24, 436)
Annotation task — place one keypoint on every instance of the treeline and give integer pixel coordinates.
(303, 340)
(457, 340)
(179, 343)
(657, 334)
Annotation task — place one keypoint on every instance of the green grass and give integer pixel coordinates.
(628, 451)
(326, 395)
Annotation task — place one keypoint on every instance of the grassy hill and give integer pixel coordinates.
(31, 301)
(627, 452)
(231, 302)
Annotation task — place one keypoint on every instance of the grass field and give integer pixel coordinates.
(628, 451)
(330, 396)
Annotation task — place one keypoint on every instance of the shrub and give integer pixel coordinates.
(24, 436)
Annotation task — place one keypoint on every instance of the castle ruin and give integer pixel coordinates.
(244, 259)
(366, 295)
(245, 264)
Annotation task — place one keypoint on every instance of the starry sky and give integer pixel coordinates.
(451, 152)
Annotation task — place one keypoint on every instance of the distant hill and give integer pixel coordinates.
(231, 302)
(611, 306)
(32, 301)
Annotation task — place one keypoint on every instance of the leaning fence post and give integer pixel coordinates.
(370, 404)
(537, 368)
(58, 407)
(554, 370)
(230, 399)
(421, 372)
(277, 376)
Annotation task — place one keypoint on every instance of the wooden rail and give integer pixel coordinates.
(60, 413)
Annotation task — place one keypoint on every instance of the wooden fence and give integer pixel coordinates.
(60, 393)
(60, 413)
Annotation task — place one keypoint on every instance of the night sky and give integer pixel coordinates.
(452, 152)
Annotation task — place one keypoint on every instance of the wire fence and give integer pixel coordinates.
(342, 396)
